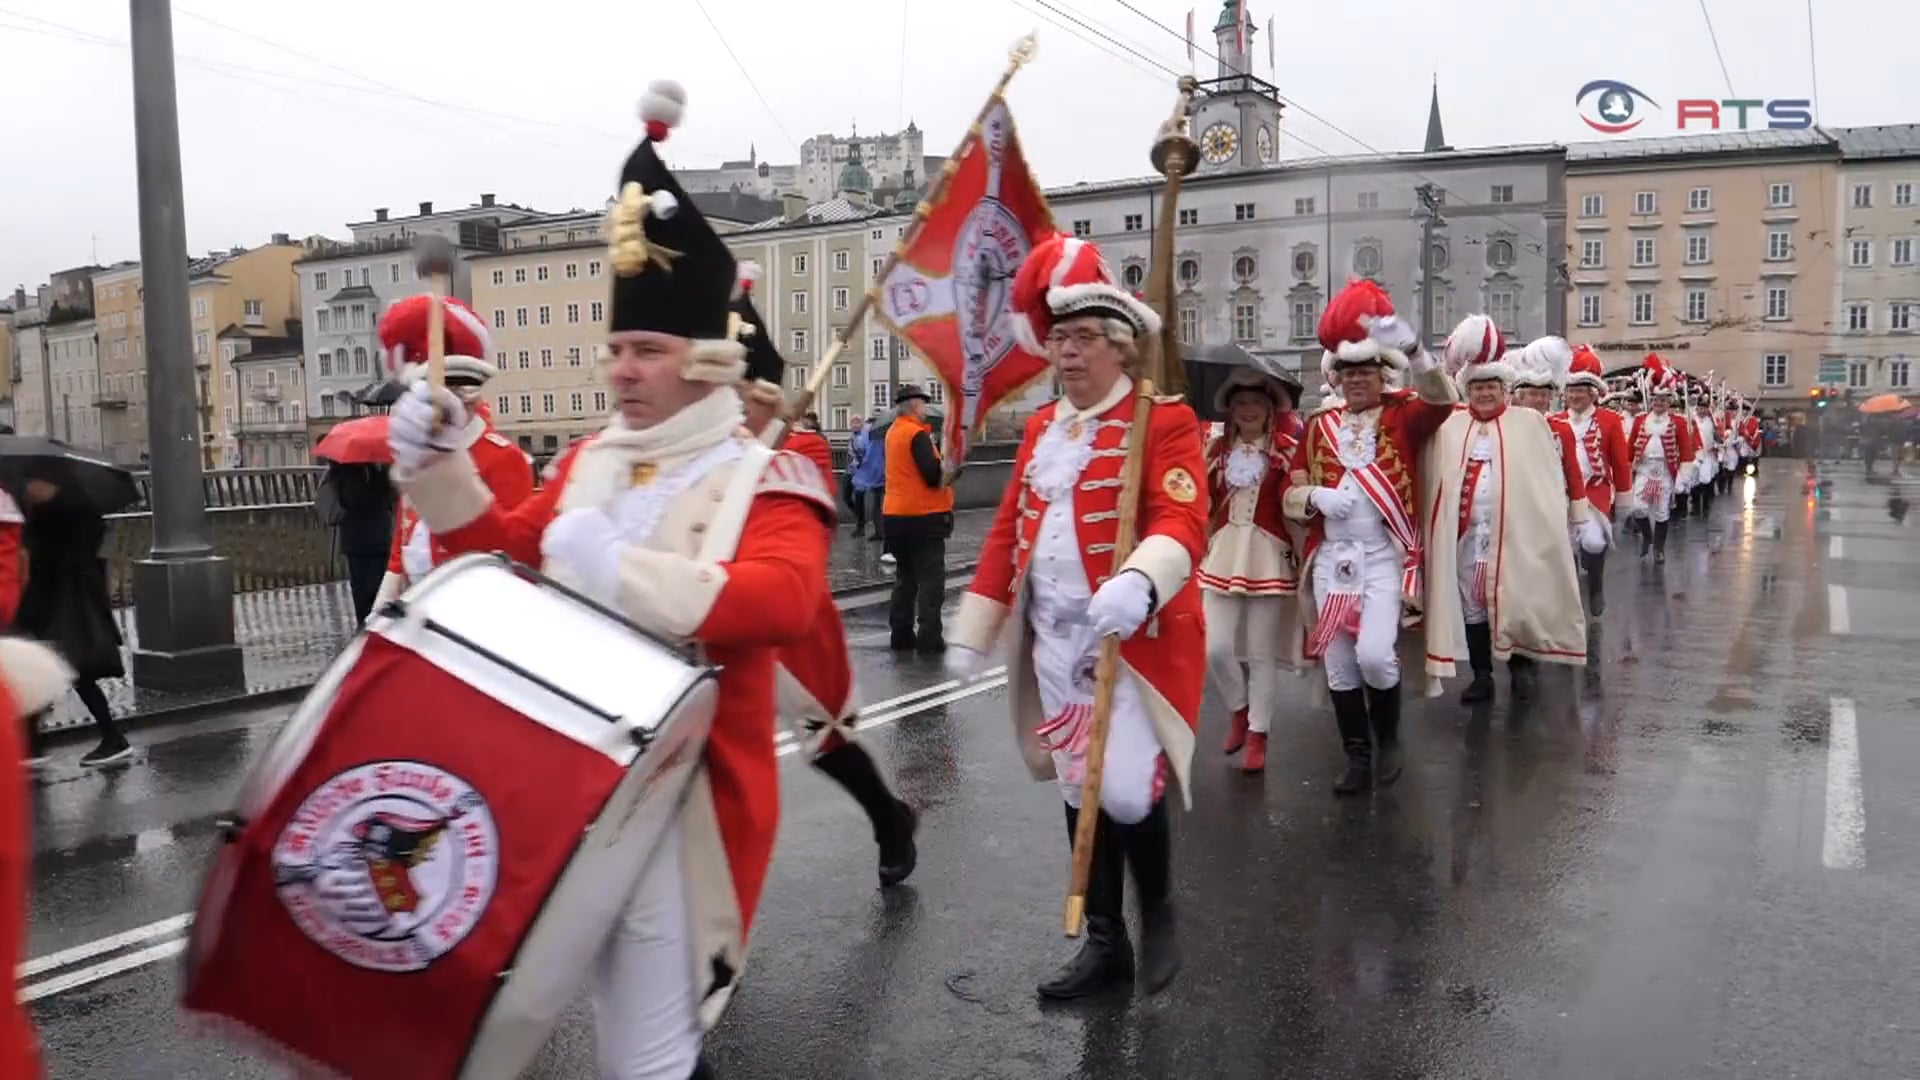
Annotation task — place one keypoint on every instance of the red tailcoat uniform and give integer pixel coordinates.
(816, 673)
(19, 1046)
(1269, 517)
(1169, 652)
(12, 580)
(768, 595)
(1679, 445)
(503, 467)
(1600, 455)
(1750, 431)
(1406, 423)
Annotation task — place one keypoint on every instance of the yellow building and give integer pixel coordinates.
(1875, 343)
(120, 317)
(255, 292)
(1716, 251)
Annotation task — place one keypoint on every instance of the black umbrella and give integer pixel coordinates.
(107, 488)
(1209, 367)
(380, 394)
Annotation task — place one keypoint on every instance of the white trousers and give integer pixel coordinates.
(646, 1021)
(1372, 656)
(1244, 628)
(1065, 653)
(1473, 600)
(1652, 490)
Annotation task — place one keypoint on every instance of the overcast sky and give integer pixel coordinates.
(297, 117)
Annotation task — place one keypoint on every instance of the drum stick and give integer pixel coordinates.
(433, 260)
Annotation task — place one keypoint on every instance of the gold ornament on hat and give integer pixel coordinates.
(627, 244)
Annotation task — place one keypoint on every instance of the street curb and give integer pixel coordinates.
(292, 693)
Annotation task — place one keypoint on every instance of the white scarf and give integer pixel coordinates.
(604, 466)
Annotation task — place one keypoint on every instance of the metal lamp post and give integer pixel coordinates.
(182, 591)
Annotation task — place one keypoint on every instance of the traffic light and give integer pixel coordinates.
(1819, 396)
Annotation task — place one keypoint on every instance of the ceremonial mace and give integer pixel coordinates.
(776, 432)
(433, 260)
(1175, 155)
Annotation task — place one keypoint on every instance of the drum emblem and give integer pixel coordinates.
(388, 865)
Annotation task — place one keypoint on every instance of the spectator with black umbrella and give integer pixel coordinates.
(66, 603)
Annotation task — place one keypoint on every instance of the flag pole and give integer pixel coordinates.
(1175, 155)
(1018, 57)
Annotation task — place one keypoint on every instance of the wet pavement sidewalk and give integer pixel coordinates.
(288, 636)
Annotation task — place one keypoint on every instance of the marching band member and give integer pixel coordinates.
(32, 678)
(1706, 455)
(1247, 580)
(504, 468)
(1662, 454)
(1750, 438)
(1353, 484)
(1732, 454)
(1048, 567)
(1497, 482)
(1600, 448)
(814, 683)
(697, 533)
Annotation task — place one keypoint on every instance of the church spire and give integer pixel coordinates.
(1436, 138)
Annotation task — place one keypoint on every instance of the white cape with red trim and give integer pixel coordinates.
(1535, 608)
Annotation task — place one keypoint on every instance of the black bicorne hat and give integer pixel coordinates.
(765, 366)
(672, 274)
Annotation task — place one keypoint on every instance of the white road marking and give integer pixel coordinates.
(1842, 846)
(1837, 609)
(1835, 548)
(877, 714)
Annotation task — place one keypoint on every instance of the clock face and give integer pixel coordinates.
(1218, 143)
(1263, 142)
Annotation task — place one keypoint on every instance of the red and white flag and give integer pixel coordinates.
(1189, 37)
(949, 292)
(1271, 69)
(1240, 32)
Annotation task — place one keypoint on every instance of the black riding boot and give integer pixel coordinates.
(1660, 542)
(1523, 671)
(702, 1070)
(1596, 583)
(894, 822)
(1150, 855)
(1350, 712)
(1645, 528)
(1105, 958)
(1383, 712)
(1480, 655)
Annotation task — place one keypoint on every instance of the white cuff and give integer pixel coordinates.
(668, 594)
(448, 494)
(1166, 564)
(977, 623)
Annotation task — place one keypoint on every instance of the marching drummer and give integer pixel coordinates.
(504, 468)
(624, 520)
(815, 689)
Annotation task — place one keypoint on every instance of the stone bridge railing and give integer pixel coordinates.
(263, 520)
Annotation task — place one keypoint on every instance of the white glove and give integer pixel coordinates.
(1122, 604)
(586, 542)
(1683, 483)
(1332, 502)
(1593, 534)
(416, 422)
(348, 895)
(963, 663)
(1392, 332)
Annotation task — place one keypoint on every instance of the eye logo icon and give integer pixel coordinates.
(1609, 106)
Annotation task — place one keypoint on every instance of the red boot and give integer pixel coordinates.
(1256, 759)
(1237, 735)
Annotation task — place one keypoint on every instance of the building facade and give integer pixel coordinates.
(73, 371)
(270, 426)
(120, 321)
(1876, 294)
(252, 292)
(32, 388)
(890, 163)
(344, 287)
(1715, 251)
(1261, 249)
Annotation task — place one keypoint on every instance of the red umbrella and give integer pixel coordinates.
(361, 441)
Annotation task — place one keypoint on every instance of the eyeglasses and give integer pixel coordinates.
(1082, 338)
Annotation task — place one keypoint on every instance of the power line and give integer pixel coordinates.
(1081, 36)
(1813, 63)
(747, 75)
(1063, 13)
(1715, 38)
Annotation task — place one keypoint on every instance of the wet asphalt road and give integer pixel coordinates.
(1708, 866)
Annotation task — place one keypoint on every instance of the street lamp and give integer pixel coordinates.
(182, 591)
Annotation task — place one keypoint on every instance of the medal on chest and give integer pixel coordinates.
(642, 474)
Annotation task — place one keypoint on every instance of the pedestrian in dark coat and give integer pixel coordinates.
(361, 502)
(66, 602)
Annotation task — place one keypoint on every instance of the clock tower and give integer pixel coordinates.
(1237, 119)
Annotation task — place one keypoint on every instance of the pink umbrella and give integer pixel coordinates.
(361, 441)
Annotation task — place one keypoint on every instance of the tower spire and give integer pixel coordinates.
(1436, 138)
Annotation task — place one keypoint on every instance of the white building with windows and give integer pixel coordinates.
(1876, 289)
(73, 372)
(345, 286)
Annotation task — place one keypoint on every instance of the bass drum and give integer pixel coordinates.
(421, 868)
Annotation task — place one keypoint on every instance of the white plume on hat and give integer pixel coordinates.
(1544, 362)
(1476, 351)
